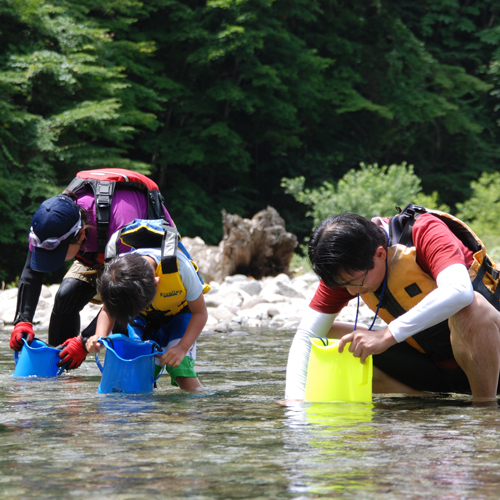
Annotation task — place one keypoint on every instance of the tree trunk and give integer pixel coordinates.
(255, 247)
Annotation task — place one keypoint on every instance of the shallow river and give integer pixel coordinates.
(61, 439)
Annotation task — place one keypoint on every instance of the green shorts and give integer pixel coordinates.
(185, 369)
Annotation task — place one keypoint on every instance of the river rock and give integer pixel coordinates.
(238, 302)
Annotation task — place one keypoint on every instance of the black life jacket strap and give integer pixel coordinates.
(155, 205)
(103, 197)
(103, 191)
(169, 245)
(401, 225)
(169, 250)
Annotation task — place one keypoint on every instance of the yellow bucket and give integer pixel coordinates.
(337, 377)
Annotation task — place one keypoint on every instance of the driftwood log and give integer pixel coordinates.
(255, 247)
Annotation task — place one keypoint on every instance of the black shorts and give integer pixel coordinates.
(417, 370)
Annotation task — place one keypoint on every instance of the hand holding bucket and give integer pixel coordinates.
(129, 365)
(337, 377)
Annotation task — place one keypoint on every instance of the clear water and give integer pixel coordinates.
(60, 439)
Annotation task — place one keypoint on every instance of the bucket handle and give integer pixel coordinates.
(154, 346)
(98, 363)
(160, 352)
(160, 374)
(101, 367)
(16, 357)
(103, 340)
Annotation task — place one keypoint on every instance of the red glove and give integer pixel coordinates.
(23, 330)
(73, 353)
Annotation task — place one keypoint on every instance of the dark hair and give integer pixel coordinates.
(83, 213)
(344, 244)
(127, 286)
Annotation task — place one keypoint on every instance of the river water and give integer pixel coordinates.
(59, 438)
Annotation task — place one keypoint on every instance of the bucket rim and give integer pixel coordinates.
(43, 345)
(325, 342)
(108, 343)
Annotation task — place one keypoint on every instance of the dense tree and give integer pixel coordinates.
(237, 86)
(482, 211)
(262, 89)
(220, 99)
(370, 191)
(61, 110)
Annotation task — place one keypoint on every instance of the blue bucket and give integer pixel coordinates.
(37, 360)
(129, 365)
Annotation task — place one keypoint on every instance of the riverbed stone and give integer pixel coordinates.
(238, 302)
(221, 313)
(253, 287)
(235, 278)
(253, 302)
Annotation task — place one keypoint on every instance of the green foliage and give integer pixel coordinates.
(220, 100)
(462, 38)
(482, 211)
(370, 191)
(395, 95)
(300, 264)
(431, 201)
(61, 110)
(237, 85)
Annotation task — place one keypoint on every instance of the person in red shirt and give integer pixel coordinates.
(441, 334)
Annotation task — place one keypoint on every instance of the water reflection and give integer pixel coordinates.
(335, 434)
(61, 439)
(397, 447)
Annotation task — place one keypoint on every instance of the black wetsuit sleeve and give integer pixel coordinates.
(30, 287)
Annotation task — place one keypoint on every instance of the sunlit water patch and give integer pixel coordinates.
(59, 438)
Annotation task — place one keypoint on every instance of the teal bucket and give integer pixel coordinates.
(129, 365)
(37, 360)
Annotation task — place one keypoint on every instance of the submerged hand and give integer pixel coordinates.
(174, 356)
(367, 342)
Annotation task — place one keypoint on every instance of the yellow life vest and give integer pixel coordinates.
(407, 283)
(171, 295)
(145, 233)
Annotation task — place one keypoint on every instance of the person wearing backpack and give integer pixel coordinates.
(162, 300)
(427, 275)
(77, 224)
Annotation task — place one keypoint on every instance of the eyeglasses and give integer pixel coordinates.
(51, 243)
(355, 284)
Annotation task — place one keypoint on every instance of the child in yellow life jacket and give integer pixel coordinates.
(166, 308)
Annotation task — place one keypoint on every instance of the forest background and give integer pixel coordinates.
(240, 104)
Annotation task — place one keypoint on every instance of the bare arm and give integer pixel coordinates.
(175, 355)
(105, 324)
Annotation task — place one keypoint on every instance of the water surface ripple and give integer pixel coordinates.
(61, 439)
